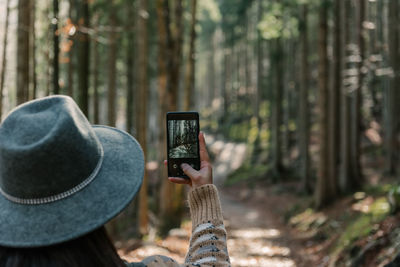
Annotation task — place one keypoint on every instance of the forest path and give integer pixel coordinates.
(255, 236)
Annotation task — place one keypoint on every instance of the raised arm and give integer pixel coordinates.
(208, 241)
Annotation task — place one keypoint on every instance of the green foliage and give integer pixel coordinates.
(209, 10)
(394, 198)
(277, 22)
(308, 219)
(209, 19)
(363, 224)
(378, 190)
(249, 173)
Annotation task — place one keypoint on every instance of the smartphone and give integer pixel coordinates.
(182, 142)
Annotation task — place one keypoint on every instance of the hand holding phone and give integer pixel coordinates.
(197, 177)
(188, 160)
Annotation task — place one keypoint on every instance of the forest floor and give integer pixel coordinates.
(271, 225)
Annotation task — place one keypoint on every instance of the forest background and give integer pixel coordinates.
(311, 87)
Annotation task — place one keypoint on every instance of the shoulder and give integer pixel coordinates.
(152, 261)
(159, 261)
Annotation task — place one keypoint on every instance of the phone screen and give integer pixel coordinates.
(182, 141)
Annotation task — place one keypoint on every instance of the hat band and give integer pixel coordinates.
(36, 201)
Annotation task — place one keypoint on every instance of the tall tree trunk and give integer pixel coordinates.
(324, 193)
(96, 58)
(392, 130)
(83, 56)
(190, 71)
(170, 46)
(304, 129)
(175, 44)
(345, 182)
(47, 55)
(56, 48)
(373, 85)
(211, 70)
(112, 61)
(277, 166)
(71, 52)
(141, 104)
(3, 58)
(130, 54)
(334, 97)
(24, 13)
(32, 49)
(226, 75)
(355, 151)
(259, 65)
(163, 101)
(247, 77)
(289, 63)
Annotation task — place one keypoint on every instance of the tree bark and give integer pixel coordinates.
(83, 56)
(324, 193)
(175, 38)
(392, 130)
(71, 52)
(96, 57)
(259, 66)
(164, 101)
(304, 128)
(56, 48)
(345, 182)
(355, 151)
(170, 46)
(211, 70)
(23, 66)
(277, 108)
(334, 97)
(190, 71)
(32, 49)
(112, 60)
(4, 59)
(130, 53)
(141, 104)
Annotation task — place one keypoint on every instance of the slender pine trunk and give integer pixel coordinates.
(4, 59)
(56, 48)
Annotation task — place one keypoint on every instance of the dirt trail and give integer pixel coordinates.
(255, 237)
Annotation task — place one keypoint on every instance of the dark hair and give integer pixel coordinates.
(93, 249)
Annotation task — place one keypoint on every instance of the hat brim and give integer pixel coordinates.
(114, 187)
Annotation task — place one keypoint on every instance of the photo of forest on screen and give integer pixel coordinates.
(182, 138)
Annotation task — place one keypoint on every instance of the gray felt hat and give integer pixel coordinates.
(61, 177)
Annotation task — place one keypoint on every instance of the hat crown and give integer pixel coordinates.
(47, 147)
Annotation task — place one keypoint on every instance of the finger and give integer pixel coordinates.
(189, 171)
(203, 150)
(165, 162)
(179, 180)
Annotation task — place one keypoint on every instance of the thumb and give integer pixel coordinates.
(189, 171)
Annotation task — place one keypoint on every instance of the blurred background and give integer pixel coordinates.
(299, 101)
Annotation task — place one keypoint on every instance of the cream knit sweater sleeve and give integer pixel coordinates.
(208, 241)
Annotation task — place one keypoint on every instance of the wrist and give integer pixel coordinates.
(204, 204)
